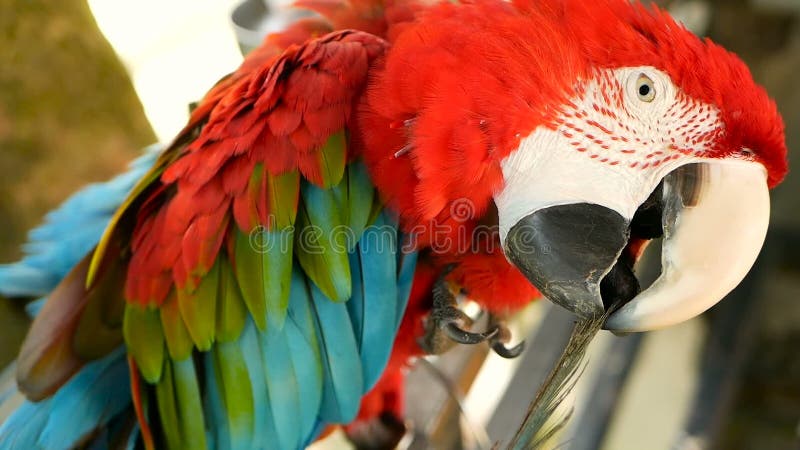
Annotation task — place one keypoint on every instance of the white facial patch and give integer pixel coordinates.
(624, 133)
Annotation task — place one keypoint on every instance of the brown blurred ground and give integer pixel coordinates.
(68, 115)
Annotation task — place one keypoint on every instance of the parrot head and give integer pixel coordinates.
(593, 128)
(666, 135)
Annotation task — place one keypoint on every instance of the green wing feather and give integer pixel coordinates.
(198, 308)
(332, 159)
(231, 310)
(188, 399)
(168, 409)
(236, 390)
(145, 338)
(179, 342)
(263, 269)
(322, 246)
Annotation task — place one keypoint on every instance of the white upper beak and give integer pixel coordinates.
(710, 243)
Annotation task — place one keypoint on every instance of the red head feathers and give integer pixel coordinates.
(463, 84)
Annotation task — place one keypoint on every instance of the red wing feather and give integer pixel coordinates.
(265, 119)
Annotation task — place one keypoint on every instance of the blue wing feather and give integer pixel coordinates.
(66, 235)
(99, 392)
(343, 383)
(407, 262)
(53, 423)
(282, 384)
(22, 429)
(217, 436)
(69, 232)
(309, 373)
(376, 314)
(266, 433)
(305, 353)
(355, 306)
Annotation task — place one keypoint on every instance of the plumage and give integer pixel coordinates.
(354, 197)
(263, 267)
(168, 409)
(343, 378)
(231, 310)
(145, 339)
(198, 308)
(69, 232)
(269, 271)
(265, 425)
(52, 422)
(374, 273)
(99, 383)
(218, 436)
(48, 359)
(321, 249)
(282, 385)
(236, 388)
(179, 341)
(406, 267)
(333, 154)
(305, 351)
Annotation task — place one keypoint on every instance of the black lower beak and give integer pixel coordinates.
(572, 254)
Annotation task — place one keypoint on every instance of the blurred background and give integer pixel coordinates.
(85, 85)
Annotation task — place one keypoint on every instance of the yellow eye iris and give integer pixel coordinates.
(645, 88)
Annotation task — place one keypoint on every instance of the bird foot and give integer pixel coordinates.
(447, 325)
(502, 337)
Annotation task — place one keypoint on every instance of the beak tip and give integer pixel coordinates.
(582, 302)
(617, 324)
(699, 271)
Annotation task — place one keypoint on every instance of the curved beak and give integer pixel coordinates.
(567, 250)
(715, 220)
(713, 216)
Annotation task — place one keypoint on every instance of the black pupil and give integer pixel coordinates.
(644, 90)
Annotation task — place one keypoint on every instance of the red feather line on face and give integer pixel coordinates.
(265, 123)
(632, 35)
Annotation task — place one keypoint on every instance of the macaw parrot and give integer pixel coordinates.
(269, 274)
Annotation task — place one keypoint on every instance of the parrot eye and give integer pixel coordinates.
(645, 88)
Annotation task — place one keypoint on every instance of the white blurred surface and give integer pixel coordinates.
(174, 51)
(656, 398)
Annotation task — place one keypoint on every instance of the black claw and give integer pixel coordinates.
(499, 341)
(445, 326)
(508, 353)
(454, 332)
